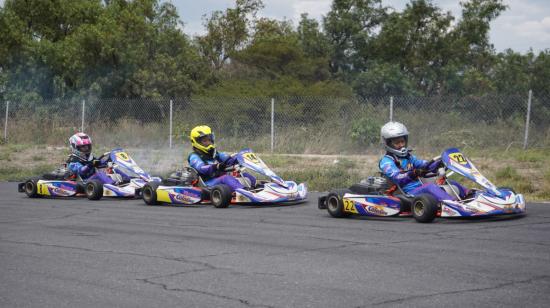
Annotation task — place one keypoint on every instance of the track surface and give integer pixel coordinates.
(122, 253)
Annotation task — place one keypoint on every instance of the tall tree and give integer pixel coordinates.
(228, 31)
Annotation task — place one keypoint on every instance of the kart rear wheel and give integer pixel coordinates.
(221, 195)
(94, 190)
(335, 203)
(149, 193)
(424, 208)
(31, 188)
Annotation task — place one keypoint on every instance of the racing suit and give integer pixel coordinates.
(86, 170)
(400, 170)
(206, 166)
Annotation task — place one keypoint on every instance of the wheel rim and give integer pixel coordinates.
(147, 194)
(216, 197)
(419, 208)
(29, 187)
(332, 204)
(89, 189)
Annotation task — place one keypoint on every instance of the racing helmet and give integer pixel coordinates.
(81, 145)
(197, 136)
(392, 130)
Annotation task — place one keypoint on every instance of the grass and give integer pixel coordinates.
(526, 172)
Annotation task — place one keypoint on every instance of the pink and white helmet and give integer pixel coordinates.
(81, 145)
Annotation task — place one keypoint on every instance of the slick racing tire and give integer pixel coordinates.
(335, 203)
(94, 190)
(31, 188)
(424, 208)
(149, 193)
(221, 195)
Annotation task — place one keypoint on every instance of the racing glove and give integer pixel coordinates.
(221, 166)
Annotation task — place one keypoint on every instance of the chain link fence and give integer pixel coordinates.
(312, 125)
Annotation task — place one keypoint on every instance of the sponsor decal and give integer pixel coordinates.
(376, 209)
(183, 198)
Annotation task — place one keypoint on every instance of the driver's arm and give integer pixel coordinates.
(418, 163)
(198, 164)
(227, 159)
(397, 176)
(78, 168)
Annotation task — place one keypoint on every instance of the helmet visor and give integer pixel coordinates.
(206, 140)
(86, 148)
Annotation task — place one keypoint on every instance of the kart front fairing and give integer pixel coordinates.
(491, 201)
(124, 165)
(272, 192)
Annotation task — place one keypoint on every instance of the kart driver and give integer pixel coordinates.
(404, 169)
(211, 164)
(81, 162)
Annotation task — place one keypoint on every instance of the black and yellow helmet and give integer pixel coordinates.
(199, 132)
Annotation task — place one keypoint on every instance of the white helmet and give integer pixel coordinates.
(393, 130)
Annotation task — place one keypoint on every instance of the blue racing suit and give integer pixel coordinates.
(400, 170)
(86, 170)
(81, 167)
(206, 166)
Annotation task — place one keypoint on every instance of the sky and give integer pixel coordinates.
(525, 24)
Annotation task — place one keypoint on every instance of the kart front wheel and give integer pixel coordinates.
(335, 203)
(94, 190)
(424, 208)
(221, 195)
(149, 193)
(31, 188)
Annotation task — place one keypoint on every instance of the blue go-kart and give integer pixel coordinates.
(117, 175)
(186, 187)
(377, 197)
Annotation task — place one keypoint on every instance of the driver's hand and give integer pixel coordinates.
(420, 172)
(221, 166)
(434, 165)
(96, 163)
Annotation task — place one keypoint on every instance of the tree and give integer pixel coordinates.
(349, 26)
(227, 32)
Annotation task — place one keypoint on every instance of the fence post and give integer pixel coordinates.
(6, 122)
(170, 142)
(83, 109)
(528, 118)
(391, 108)
(272, 123)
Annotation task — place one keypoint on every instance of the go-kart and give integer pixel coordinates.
(186, 187)
(116, 175)
(376, 196)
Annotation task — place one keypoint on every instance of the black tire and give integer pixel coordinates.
(335, 203)
(221, 195)
(149, 193)
(424, 208)
(94, 190)
(31, 188)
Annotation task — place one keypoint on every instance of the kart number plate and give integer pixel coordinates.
(349, 206)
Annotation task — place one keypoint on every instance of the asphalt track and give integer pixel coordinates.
(122, 253)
